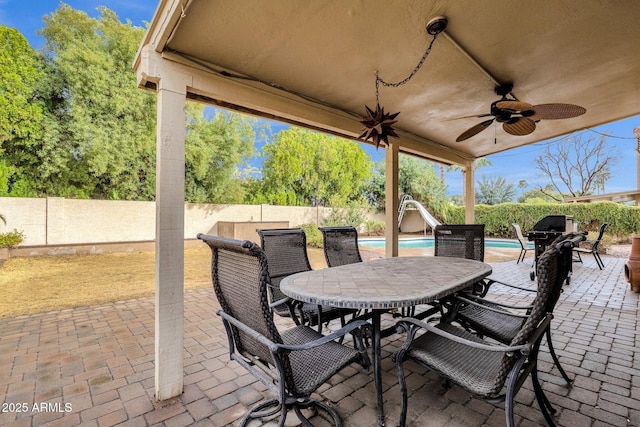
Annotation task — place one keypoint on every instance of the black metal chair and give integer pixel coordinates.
(524, 245)
(286, 251)
(481, 367)
(501, 321)
(461, 241)
(291, 363)
(340, 245)
(592, 249)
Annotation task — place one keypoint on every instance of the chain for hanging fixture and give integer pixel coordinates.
(377, 123)
(380, 80)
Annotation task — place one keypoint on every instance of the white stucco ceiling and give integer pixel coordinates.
(321, 56)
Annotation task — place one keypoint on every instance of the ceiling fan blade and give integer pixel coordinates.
(474, 130)
(519, 126)
(513, 105)
(479, 116)
(556, 111)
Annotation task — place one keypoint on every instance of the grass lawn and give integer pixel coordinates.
(37, 284)
(32, 285)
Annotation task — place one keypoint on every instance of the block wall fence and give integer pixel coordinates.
(59, 222)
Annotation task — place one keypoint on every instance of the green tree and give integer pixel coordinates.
(307, 168)
(100, 141)
(416, 177)
(492, 191)
(214, 149)
(77, 125)
(21, 120)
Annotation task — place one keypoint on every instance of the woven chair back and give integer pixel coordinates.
(552, 269)
(286, 251)
(240, 277)
(459, 241)
(340, 245)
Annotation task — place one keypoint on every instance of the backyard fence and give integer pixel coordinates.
(56, 221)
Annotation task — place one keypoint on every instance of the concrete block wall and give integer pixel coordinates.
(57, 221)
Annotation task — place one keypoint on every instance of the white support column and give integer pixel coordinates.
(469, 194)
(391, 200)
(169, 297)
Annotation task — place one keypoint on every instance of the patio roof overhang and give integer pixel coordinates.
(313, 64)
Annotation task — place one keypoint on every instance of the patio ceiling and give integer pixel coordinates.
(313, 63)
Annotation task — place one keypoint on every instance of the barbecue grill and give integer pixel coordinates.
(545, 231)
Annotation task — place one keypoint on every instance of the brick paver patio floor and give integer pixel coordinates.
(95, 366)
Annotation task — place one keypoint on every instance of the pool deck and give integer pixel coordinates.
(100, 361)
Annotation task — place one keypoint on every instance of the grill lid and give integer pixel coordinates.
(551, 223)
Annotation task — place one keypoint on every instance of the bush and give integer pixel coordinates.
(374, 228)
(354, 215)
(314, 236)
(624, 221)
(11, 239)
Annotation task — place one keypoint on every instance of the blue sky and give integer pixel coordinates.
(513, 165)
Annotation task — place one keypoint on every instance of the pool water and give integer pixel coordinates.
(427, 242)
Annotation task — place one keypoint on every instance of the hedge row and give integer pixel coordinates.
(623, 220)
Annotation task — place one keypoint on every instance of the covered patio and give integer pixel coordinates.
(100, 362)
(317, 64)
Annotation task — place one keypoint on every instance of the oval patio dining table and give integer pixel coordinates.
(384, 284)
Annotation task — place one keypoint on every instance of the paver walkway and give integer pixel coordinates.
(94, 366)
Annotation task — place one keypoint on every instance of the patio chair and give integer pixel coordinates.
(524, 245)
(592, 248)
(503, 321)
(292, 363)
(340, 245)
(461, 241)
(481, 367)
(286, 251)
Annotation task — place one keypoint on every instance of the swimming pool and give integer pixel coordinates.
(427, 242)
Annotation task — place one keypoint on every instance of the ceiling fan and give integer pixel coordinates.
(518, 117)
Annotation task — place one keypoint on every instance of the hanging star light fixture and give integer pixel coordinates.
(378, 124)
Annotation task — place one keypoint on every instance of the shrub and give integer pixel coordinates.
(11, 239)
(354, 214)
(314, 236)
(374, 228)
(624, 221)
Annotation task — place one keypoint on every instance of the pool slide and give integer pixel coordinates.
(426, 216)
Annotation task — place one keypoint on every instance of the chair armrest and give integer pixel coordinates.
(285, 301)
(492, 281)
(228, 319)
(351, 326)
(411, 326)
(487, 305)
